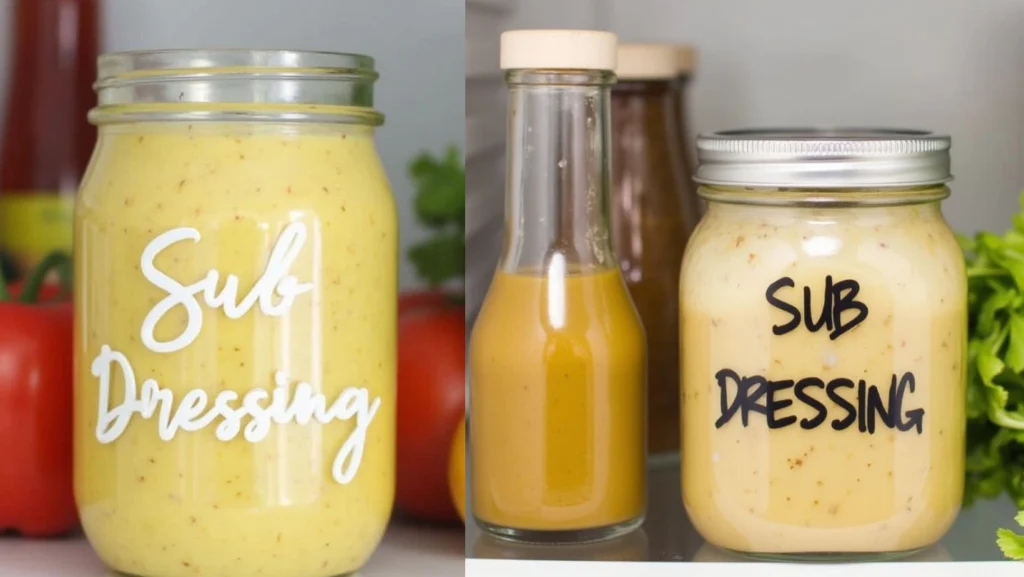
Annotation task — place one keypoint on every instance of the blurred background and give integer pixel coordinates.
(949, 66)
(417, 45)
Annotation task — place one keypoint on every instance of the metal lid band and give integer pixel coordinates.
(825, 158)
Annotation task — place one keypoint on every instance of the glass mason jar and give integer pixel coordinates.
(652, 217)
(235, 300)
(824, 319)
(557, 355)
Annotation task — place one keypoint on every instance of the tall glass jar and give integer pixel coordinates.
(557, 356)
(824, 316)
(652, 217)
(235, 296)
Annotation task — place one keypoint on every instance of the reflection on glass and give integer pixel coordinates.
(632, 546)
(711, 554)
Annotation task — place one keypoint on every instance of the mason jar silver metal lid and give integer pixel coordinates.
(823, 158)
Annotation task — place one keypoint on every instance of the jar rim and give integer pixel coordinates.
(823, 157)
(823, 196)
(314, 84)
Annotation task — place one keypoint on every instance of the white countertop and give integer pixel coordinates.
(407, 551)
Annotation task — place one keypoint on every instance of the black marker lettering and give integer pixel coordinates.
(833, 394)
(756, 395)
(915, 417)
(871, 410)
(845, 292)
(876, 407)
(825, 319)
(839, 297)
(783, 306)
(805, 398)
(862, 424)
(728, 410)
(750, 400)
(772, 405)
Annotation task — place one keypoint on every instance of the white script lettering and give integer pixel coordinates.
(275, 279)
(194, 411)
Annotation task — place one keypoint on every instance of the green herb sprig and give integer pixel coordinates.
(1011, 543)
(440, 205)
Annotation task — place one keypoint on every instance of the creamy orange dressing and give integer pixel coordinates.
(845, 438)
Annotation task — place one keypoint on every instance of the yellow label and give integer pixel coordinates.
(32, 224)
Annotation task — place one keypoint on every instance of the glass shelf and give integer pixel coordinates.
(668, 536)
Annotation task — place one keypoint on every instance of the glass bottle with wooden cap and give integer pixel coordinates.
(824, 320)
(652, 218)
(557, 356)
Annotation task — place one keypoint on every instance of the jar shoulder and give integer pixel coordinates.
(907, 253)
(526, 314)
(177, 175)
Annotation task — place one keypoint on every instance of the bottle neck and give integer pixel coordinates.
(556, 211)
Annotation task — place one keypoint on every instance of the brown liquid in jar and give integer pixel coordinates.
(653, 213)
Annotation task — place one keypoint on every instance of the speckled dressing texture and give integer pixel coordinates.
(196, 505)
(839, 454)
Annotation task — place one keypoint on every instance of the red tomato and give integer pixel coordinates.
(36, 497)
(408, 301)
(47, 292)
(431, 402)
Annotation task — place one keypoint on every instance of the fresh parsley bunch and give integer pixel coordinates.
(1011, 543)
(995, 371)
(440, 204)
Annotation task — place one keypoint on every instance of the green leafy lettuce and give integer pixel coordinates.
(995, 376)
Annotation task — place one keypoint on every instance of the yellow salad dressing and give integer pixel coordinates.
(235, 349)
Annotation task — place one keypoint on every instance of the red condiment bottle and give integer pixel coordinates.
(47, 139)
